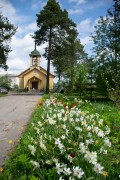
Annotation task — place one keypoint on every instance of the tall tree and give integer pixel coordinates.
(81, 80)
(61, 54)
(107, 49)
(91, 76)
(51, 21)
(75, 51)
(66, 56)
(7, 30)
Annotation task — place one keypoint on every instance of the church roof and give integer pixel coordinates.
(42, 70)
(35, 52)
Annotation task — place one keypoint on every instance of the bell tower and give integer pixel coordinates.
(35, 58)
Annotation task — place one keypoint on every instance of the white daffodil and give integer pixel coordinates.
(58, 168)
(35, 164)
(70, 158)
(65, 119)
(70, 178)
(67, 171)
(64, 126)
(32, 149)
(101, 133)
(89, 141)
(107, 130)
(95, 129)
(59, 115)
(89, 128)
(107, 142)
(82, 148)
(59, 144)
(48, 162)
(91, 157)
(37, 130)
(61, 178)
(40, 124)
(98, 168)
(51, 121)
(42, 145)
(78, 128)
(78, 172)
(63, 137)
(100, 122)
(89, 134)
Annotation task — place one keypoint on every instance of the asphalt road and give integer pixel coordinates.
(15, 112)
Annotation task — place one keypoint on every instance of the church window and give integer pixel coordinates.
(34, 61)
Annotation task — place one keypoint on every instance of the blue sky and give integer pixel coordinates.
(22, 13)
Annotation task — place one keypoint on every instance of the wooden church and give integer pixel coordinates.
(34, 78)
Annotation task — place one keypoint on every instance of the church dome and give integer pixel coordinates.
(35, 53)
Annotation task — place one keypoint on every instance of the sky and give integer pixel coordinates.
(22, 13)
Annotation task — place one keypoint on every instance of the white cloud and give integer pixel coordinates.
(9, 11)
(20, 43)
(27, 28)
(75, 11)
(78, 1)
(84, 26)
(18, 59)
(35, 4)
(96, 4)
(86, 40)
(17, 64)
(7, 8)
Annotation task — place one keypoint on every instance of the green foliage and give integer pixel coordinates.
(75, 54)
(107, 49)
(37, 154)
(66, 60)
(101, 85)
(89, 75)
(2, 95)
(54, 25)
(61, 87)
(7, 30)
(80, 82)
(5, 81)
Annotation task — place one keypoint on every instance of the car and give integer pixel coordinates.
(3, 90)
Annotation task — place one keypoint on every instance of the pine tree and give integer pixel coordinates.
(7, 30)
(51, 21)
(63, 51)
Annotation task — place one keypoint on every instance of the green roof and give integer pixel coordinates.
(35, 53)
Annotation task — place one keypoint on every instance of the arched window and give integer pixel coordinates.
(34, 61)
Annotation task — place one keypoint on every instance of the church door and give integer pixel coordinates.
(34, 85)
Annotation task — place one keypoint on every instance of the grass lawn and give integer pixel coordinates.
(69, 139)
(2, 95)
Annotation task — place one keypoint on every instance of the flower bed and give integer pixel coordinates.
(64, 142)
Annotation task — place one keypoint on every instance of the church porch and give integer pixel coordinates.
(34, 84)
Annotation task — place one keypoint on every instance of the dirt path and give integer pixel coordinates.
(15, 112)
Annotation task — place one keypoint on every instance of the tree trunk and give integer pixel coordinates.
(59, 76)
(48, 64)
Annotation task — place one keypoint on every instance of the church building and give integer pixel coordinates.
(34, 78)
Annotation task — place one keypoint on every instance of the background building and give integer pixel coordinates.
(9, 79)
